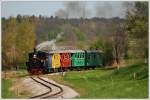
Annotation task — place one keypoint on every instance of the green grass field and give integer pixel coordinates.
(6, 84)
(127, 82)
(9, 81)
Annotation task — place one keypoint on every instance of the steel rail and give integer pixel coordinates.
(50, 89)
(57, 93)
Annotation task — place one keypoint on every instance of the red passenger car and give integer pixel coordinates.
(65, 60)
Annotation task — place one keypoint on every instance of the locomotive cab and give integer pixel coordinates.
(35, 65)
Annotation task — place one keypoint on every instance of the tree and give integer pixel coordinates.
(17, 40)
(119, 43)
(19, 18)
(104, 44)
(137, 29)
(25, 40)
(8, 42)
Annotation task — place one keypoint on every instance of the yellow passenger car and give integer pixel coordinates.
(56, 60)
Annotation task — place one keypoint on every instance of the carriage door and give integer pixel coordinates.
(49, 62)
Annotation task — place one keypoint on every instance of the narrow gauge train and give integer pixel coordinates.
(48, 62)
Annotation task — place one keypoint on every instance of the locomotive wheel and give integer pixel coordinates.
(40, 72)
(32, 72)
(36, 71)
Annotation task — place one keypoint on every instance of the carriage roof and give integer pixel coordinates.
(67, 51)
(94, 51)
(72, 51)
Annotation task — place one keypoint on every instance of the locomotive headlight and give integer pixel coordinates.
(34, 56)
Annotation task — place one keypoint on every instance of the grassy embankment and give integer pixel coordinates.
(127, 82)
(8, 80)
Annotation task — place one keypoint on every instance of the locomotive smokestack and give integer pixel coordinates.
(34, 50)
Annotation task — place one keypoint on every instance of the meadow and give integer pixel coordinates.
(127, 82)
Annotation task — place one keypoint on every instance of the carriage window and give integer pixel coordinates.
(66, 56)
(55, 57)
(63, 57)
(88, 56)
(78, 55)
(99, 55)
(94, 56)
(82, 55)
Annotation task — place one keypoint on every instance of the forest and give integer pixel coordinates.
(120, 39)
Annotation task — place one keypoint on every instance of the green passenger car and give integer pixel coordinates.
(94, 58)
(78, 58)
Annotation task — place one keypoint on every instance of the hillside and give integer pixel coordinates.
(127, 82)
(75, 30)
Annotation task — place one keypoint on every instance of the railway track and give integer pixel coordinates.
(49, 85)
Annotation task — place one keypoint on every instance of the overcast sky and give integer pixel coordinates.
(49, 8)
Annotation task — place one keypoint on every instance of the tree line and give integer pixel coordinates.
(119, 39)
(130, 39)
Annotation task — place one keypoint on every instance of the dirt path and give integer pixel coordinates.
(33, 88)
